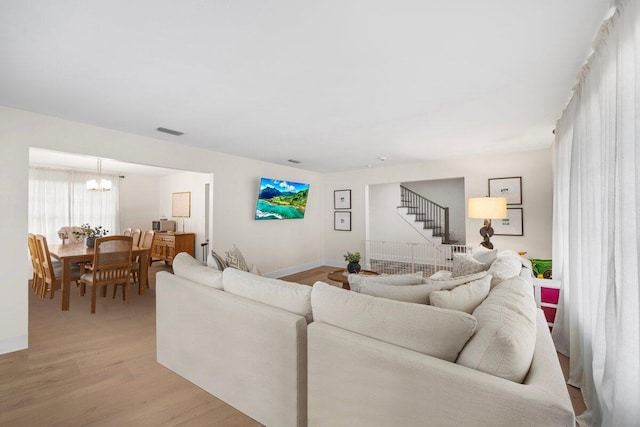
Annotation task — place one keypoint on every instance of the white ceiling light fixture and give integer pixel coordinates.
(99, 184)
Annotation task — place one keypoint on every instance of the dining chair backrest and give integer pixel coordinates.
(127, 231)
(36, 263)
(51, 281)
(112, 260)
(147, 239)
(135, 234)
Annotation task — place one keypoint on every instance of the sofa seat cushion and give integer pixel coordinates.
(418, 294)
(505, 338)
(186, 266)
(288, 296)
(388, 279)
(430, 330)
(464, 297)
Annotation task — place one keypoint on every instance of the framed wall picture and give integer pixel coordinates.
(342, 221)
(181, 204)
(342, 199)
(511, 188)
(513, 225)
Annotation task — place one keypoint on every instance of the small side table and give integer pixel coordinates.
(342, 276)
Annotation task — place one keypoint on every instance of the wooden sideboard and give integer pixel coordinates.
(166, 245)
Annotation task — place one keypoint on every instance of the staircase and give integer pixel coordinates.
(428, 218)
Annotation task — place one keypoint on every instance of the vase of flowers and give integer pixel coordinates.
(90, 234)
(354, 262)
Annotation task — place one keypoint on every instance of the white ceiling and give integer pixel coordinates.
(333, 84)
(57, 159)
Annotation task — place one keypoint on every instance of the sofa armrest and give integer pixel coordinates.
(359, 381)
(251, 355)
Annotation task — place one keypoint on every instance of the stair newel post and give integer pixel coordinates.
(446, 225)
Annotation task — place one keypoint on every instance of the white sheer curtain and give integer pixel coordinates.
(59, 198)
(596, 247)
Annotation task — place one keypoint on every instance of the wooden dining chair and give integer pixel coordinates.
(145, 242)
(127, 231)
(111, 266)
(36, 263)
(135, 234)
(52, 270)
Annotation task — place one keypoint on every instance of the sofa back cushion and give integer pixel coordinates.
(388, 279)
(186, 266)
(505, 338)
(430, 330)
(464, 297)
(446, 282)
(288, 296)
(418, 294)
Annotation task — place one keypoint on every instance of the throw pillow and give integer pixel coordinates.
(288, 296)
(464, 297)
(215, 261)
(447, 283)
(235, 259)
(505, 267)
(484, 255)
(388, 279)
(418, 294)
(464, 264)
(184, 265)
(430, 330)
(504, 342)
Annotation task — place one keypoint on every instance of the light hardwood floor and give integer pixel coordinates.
(101, 370)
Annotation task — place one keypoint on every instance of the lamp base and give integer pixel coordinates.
(486, 232)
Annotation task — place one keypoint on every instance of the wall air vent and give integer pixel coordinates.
(170, 131)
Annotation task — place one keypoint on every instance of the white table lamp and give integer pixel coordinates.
(487, 208)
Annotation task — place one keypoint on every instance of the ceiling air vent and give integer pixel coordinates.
(294, 161)
(170, 131)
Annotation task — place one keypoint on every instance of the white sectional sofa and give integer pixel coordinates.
(287, 354)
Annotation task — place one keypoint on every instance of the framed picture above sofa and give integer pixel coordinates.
(511, 188)
(513, 225)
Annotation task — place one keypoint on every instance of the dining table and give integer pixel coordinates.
(72, 253)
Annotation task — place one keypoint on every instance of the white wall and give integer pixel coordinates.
(14, 265)
(275, 246)
(384, 222)
(195, 184)
(139, 196)
(533, 166)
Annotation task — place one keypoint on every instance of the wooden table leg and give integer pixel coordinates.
(66, 284)
(144, 273)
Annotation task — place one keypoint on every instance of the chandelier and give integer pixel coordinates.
(99, 184)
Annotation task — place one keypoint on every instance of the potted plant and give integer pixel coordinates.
(90, 234)
(354, 262)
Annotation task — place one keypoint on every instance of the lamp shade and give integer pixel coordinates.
(487, 207)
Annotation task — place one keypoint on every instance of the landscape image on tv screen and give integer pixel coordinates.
(278, 199)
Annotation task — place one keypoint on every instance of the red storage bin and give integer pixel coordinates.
(549, 313)
(549, 295)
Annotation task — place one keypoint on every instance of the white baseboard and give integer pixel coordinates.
(9, 345)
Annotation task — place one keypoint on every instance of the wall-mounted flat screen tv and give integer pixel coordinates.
(278, 199)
